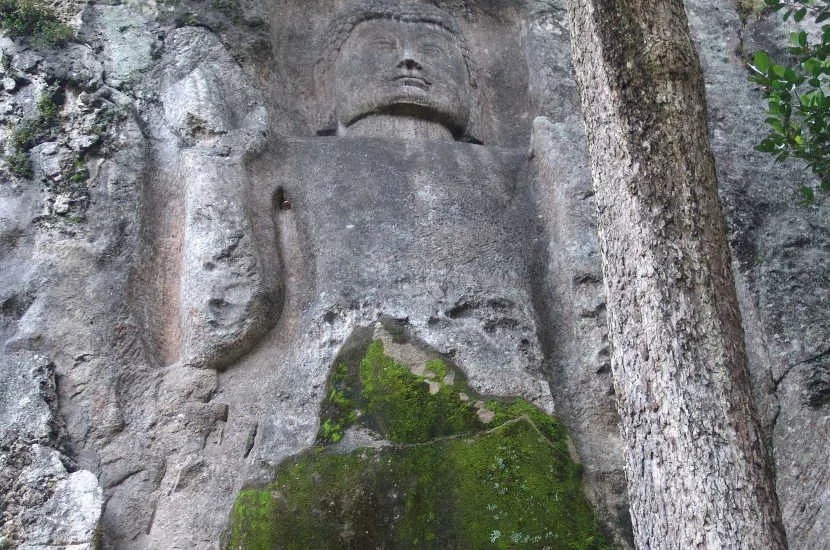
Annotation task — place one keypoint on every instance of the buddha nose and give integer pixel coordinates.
(409, 64)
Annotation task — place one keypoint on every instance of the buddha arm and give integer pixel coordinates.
(229, 293)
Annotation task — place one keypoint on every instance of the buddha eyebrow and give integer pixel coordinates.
(439, 35)
(381, 36)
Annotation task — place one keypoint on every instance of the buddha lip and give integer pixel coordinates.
(410, 80)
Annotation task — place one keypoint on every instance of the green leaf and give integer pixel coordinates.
(812, 66)
(778, 70)
(776, 125)
(813, 99)
(765, 146)
(761, 61)
(798, 100)
(808, 194)
(798, 39)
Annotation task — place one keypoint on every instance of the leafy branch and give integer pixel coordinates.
(798, 96)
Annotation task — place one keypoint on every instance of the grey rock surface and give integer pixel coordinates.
(70, 518)
(447, 251)
(44, 505)
(185, 259)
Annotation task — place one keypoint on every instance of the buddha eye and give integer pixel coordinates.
(431, 49)
(383, 44)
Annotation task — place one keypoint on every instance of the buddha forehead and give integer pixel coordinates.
(410, 12)
(409, 31)
(423, 17)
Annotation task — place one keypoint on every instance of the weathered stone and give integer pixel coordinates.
(27, 390)
(25, 60)
(72, 515)
(77, 64)
(43, 504)
(129, 43)
(47, 159)
(178, 110)
(58, 296)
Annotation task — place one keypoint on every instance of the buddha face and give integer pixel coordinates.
(405, 69)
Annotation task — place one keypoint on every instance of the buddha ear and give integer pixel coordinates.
(474, 132)
(328, 125)
(325, 120)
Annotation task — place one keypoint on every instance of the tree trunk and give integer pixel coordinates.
(698, 471)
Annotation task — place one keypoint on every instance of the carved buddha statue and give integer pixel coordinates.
(396, 212)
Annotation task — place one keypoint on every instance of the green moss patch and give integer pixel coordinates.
(253, 515)
(387, 397)
(458, 471)
(38, 24)
(400, 406)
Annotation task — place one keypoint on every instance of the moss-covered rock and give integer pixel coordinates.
(456, 470)
(33, 22)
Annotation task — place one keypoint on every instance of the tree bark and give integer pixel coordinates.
(698, 470)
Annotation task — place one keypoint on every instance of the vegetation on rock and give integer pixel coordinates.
(32, 131)
(39, 25)
(798, 112)
(452, 471)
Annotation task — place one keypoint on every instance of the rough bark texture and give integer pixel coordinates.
(697, 468)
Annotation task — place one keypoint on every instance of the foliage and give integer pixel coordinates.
(798, 95)
(24, 18)
(749, 8)
(339, 409)
(20, 164)
(32, 131)
(80, 173)
(38, 129)
(447, 480)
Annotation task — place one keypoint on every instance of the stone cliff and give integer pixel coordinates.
(191, 232)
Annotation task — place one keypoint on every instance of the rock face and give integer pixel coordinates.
(44, 505)
(182, 256)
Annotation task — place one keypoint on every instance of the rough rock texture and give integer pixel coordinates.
(184, 326)
(44, 505)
